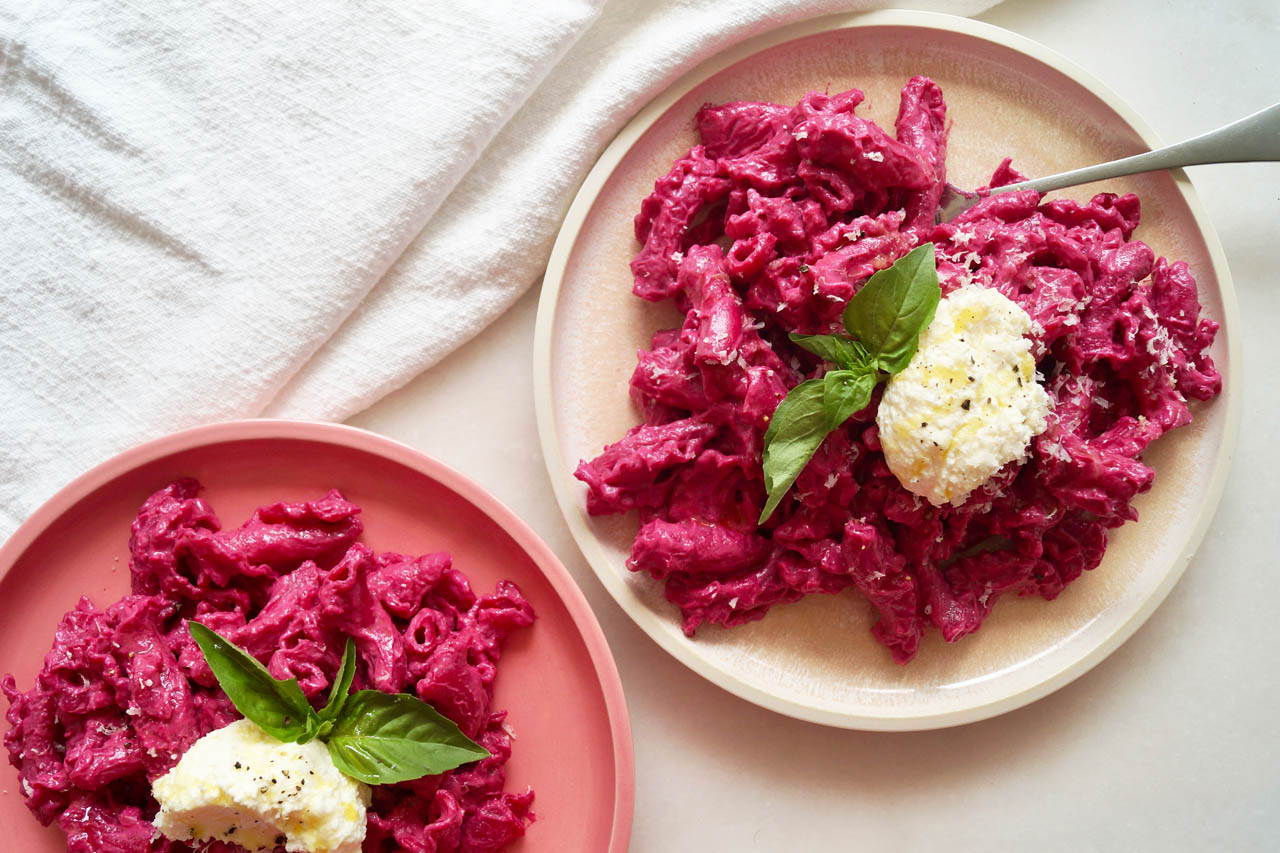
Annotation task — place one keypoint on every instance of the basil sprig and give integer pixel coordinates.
(884, 320)
(378, 738)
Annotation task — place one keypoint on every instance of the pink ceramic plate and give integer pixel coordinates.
(558, 680)
(816, 659)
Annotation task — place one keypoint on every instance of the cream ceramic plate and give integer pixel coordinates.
(816, 659)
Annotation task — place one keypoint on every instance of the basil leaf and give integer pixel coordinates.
(797, 428)
(278, 707)
(845, 392)
(837, 349)
(890, 311)
(341, 684)
(381, 738)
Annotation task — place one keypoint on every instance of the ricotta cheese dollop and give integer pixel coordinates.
(968, 403)
(240, 785)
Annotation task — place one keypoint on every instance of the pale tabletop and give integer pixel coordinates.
(1169, 744)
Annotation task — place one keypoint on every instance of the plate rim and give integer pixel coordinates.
(355, 438)
(567, 494)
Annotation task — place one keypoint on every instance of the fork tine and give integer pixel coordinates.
(953, 202)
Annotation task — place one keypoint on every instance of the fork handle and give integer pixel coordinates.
(1251, 139)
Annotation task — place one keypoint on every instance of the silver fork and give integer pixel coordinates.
(1252, 139)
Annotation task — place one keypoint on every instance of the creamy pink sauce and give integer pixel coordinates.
(125, 691)
(769, 226)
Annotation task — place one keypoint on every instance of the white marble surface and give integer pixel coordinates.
(1169, 744)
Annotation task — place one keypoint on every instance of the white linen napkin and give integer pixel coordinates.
(234, 208)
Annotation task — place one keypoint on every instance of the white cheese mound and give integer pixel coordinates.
(239, 784)
(968, 403)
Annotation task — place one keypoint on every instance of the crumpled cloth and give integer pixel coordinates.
(235, 208)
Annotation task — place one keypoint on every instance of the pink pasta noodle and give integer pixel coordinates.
(125, 691)
(768, 227)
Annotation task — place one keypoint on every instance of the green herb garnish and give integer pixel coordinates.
(394, 737)
(278, 707)
(884, 320)
(376, 737)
